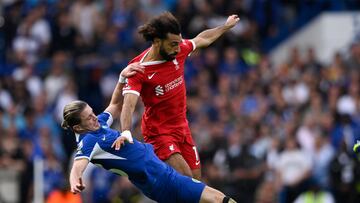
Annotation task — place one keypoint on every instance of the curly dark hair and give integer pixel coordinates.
(160, 26)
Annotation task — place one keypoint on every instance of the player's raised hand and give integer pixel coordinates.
(118, 142)
(131, 70)
(231, 21)
(125, 136)
(77, 187)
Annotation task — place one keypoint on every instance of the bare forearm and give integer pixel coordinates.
(125, 118)
(116, 101)
(75, 174)
(209, 36)
(77, 170)
(117, 98)
(128, 108)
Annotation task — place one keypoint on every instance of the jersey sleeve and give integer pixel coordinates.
(188, 46)
(85, 148)
(105, 118)
(134, 85)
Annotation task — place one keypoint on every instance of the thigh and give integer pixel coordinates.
(179, 188)
(189, 189)
(164, 146)
(190, 153)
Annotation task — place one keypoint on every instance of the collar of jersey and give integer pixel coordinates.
(96, 132)
(149, 63)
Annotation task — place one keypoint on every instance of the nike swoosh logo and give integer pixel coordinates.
(197, 163)
(152, 75)
(103, 138)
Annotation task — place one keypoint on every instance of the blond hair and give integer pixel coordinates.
(71, 114)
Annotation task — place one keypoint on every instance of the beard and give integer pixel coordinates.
(166, 56)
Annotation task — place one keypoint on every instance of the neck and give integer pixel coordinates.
(153, 55)
(82, 131)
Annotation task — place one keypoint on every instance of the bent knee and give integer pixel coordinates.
(196, 173)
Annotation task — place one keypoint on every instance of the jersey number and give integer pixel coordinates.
(196, 155)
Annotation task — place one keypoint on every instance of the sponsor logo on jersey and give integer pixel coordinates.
(175, 83)
(159, 90)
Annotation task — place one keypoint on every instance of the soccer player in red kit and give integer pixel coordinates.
(162, 89)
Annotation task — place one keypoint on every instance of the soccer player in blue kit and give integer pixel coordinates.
(129, 157)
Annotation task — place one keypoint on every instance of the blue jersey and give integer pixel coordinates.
(138, 162)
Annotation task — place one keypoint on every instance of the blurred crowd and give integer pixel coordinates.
(265, 133)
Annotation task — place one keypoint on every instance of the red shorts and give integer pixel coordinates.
(166, 145)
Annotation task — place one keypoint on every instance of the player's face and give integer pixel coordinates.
(170, 47)
(89, 121)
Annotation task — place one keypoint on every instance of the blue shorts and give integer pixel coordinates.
(163, 184)
(179, 188)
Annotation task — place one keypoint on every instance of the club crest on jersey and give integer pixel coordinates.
(159, 90)
(176, 63)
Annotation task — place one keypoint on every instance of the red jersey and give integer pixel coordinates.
(162, 89)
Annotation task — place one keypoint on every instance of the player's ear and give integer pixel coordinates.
(157, 42)
(77, 128)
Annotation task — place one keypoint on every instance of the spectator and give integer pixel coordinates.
(63, 33)
(56, 79)
(323, 154)
(86, 19)
(293, 169)
(245, 169)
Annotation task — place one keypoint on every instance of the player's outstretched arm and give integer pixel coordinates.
(130, 101)
(206, 37)
(76, 185)
(116, 99)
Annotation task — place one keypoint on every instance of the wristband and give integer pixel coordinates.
(122, 79)
(128, 136)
